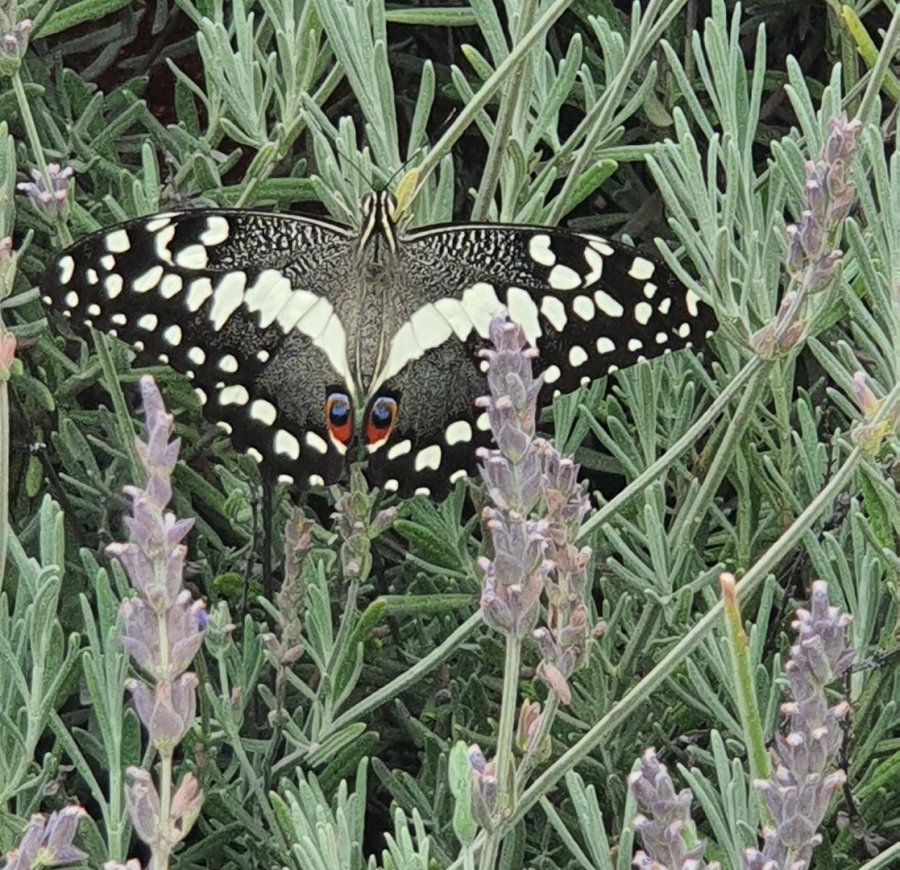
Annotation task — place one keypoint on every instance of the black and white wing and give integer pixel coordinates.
(590, 306)
(244, 304)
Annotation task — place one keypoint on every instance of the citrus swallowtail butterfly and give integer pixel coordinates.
(313, 344)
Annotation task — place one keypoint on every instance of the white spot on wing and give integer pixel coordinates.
(661, 338)
(269, 294)
(483, 423)
(192, 257)
(601, 246)
(236, 394)
(583, 307)
(607, 304)
(71, 299)
(148, 322)
(156, 224)
(404, 347)
(454, 313)
(643, 311)
(577, 356)
(642, 269)
(287, 445)
(552, 374)
(66, 269)
(170, 285)
(94, 309)
(197, 356)
(315, 319)
(595, 264)
(298, 303)
(650, 289)
(227, 363)
(605, 345)
(172, 334)
(460, 431)
(263, 411)
(553, 309)
(401, 448)
(108, 261)
(216, 230)
(316, 480)
(148, 280)
(117, 242)
(199, 291)
(635, 344)
(113, 284)
(92, 276)
(431, 328)
(564, 278)
(522, 310)
(252, 451)
(481, 304)
(391, 486)
(664, 305)
(692, 300)
(227, 298)
(289, 480)
(430, 457)
(540, 251)
(119, 319)
(684, 330)
(161, 243)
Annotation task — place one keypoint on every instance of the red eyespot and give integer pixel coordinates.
(338, 418)
(380, 421)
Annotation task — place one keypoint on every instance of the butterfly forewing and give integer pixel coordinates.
(270, 314)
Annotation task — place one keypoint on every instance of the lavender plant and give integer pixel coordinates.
(777, 449)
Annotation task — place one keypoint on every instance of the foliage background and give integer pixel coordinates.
(783, 468)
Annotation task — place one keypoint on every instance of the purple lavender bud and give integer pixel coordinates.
(186, 806)
(169, 711)
(483, 784)
(47, 841)
(13, 41)
(52, 203)
(476, 758)
(142, 802)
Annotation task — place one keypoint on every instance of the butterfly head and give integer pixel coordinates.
(379, 213)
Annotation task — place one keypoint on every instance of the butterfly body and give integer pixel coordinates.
(315, 345)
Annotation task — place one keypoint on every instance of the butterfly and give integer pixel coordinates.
(314, 344)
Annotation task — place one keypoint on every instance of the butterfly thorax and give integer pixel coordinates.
(371, 314)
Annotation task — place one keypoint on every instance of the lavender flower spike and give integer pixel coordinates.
(804, 761)
(666, 828)
(163, 626)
